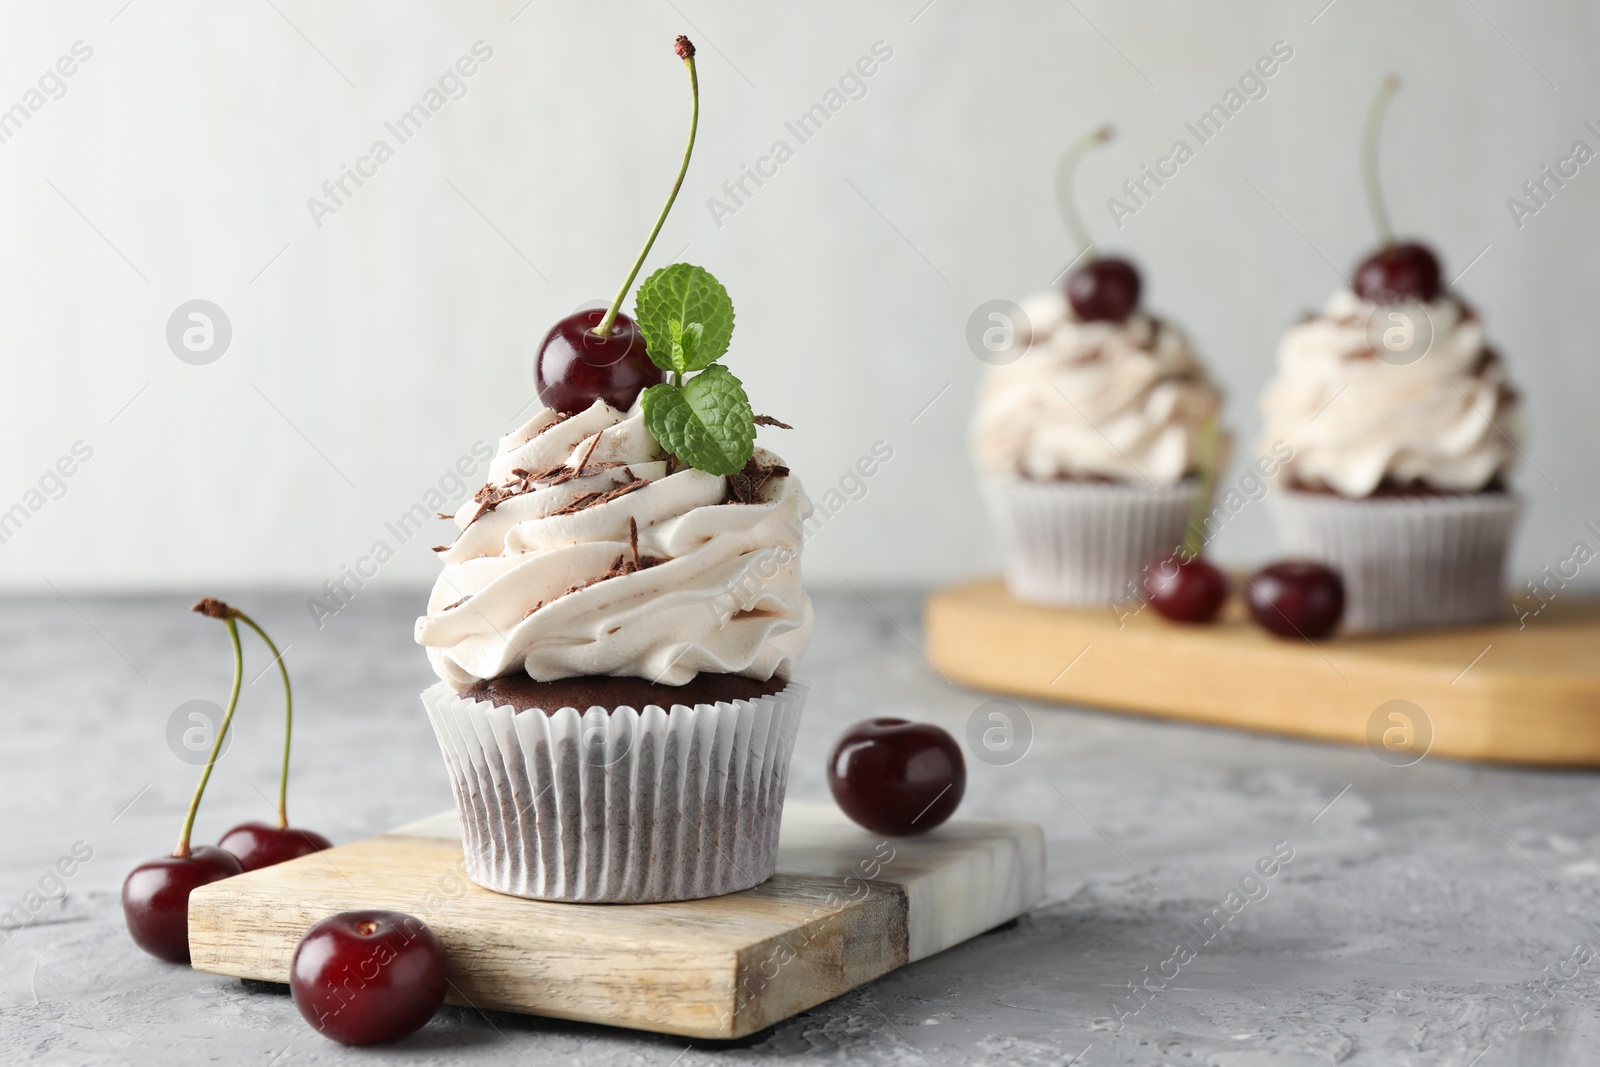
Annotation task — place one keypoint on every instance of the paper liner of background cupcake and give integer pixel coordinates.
(1390, 433)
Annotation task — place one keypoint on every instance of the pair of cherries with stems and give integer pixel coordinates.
(1106, 288)
(155, 895)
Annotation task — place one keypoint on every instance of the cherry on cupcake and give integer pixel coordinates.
(897, 777)
(1297, 598)
(593, 355)
(577, 365)
(1399, 270)
(155, 895)
(259, 844)
(1182, 586)
(1104, 288)
(364, 977)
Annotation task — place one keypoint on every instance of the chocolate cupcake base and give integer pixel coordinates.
(617, 804)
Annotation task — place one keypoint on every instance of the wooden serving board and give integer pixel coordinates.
(844, 908)
(1525, 694)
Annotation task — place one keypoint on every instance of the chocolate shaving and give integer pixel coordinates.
(458, 603)
(563, 473)
(594, 498)
(594, 443)
(442, 515)
(749, 485)
(768, 420)
(620, 566)
(492, 496)
(440, 548)
(560, 418)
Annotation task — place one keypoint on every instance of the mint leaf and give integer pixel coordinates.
(686, 318)
(685, 343)
(706, 422)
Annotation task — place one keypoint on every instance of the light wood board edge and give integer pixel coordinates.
(978, 636)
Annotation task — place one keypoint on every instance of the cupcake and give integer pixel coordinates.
(1089, 438)
(617, 623)
(1396, 429)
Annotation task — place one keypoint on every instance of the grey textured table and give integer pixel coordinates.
(1430, 914)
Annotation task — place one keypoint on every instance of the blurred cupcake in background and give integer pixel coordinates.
(1403, 428)
(1089, 437)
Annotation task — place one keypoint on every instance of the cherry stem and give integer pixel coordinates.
(182, 850)
(686, 50)
(288, 718)
(1380, 211)
(1206, 468)
(1064, 195)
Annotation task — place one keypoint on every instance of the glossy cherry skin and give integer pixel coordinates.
(361, 977)
(575, 366)
(258, 844)
(1397, 273)
(1104, 290)
(1185, 588)
(1296, 599)
(896, 777)
(155, 898)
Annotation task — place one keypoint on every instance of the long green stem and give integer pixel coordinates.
(1064, 194)
(686, 50)
(1210, 445)
(1380, 211)
(288, 718)
(182, 850)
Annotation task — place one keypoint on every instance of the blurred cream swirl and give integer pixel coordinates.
(532, 583)
(1357, 417)
(1120, 401)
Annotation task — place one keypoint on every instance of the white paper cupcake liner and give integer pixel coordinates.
(1407, 562)
(1084, 543)
(626, 807)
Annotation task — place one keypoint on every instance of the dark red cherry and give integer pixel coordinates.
(155, 898)
(362, 977)
(258, 844)
(1296, 599)
(576, 366)
(1185, 588)
(1104, 290)
(1397, 273)
(897, 777)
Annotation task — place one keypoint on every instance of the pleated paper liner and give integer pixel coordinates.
(631, 806)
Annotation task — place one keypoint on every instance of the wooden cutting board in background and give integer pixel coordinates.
(718, 968)
(1503, 693)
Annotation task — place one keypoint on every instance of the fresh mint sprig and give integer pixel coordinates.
(706, 421)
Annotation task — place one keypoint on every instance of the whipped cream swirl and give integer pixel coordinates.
(587, 554)
(1442, 416)
(1119, 401)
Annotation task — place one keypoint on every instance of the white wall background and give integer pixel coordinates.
(369, 354)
